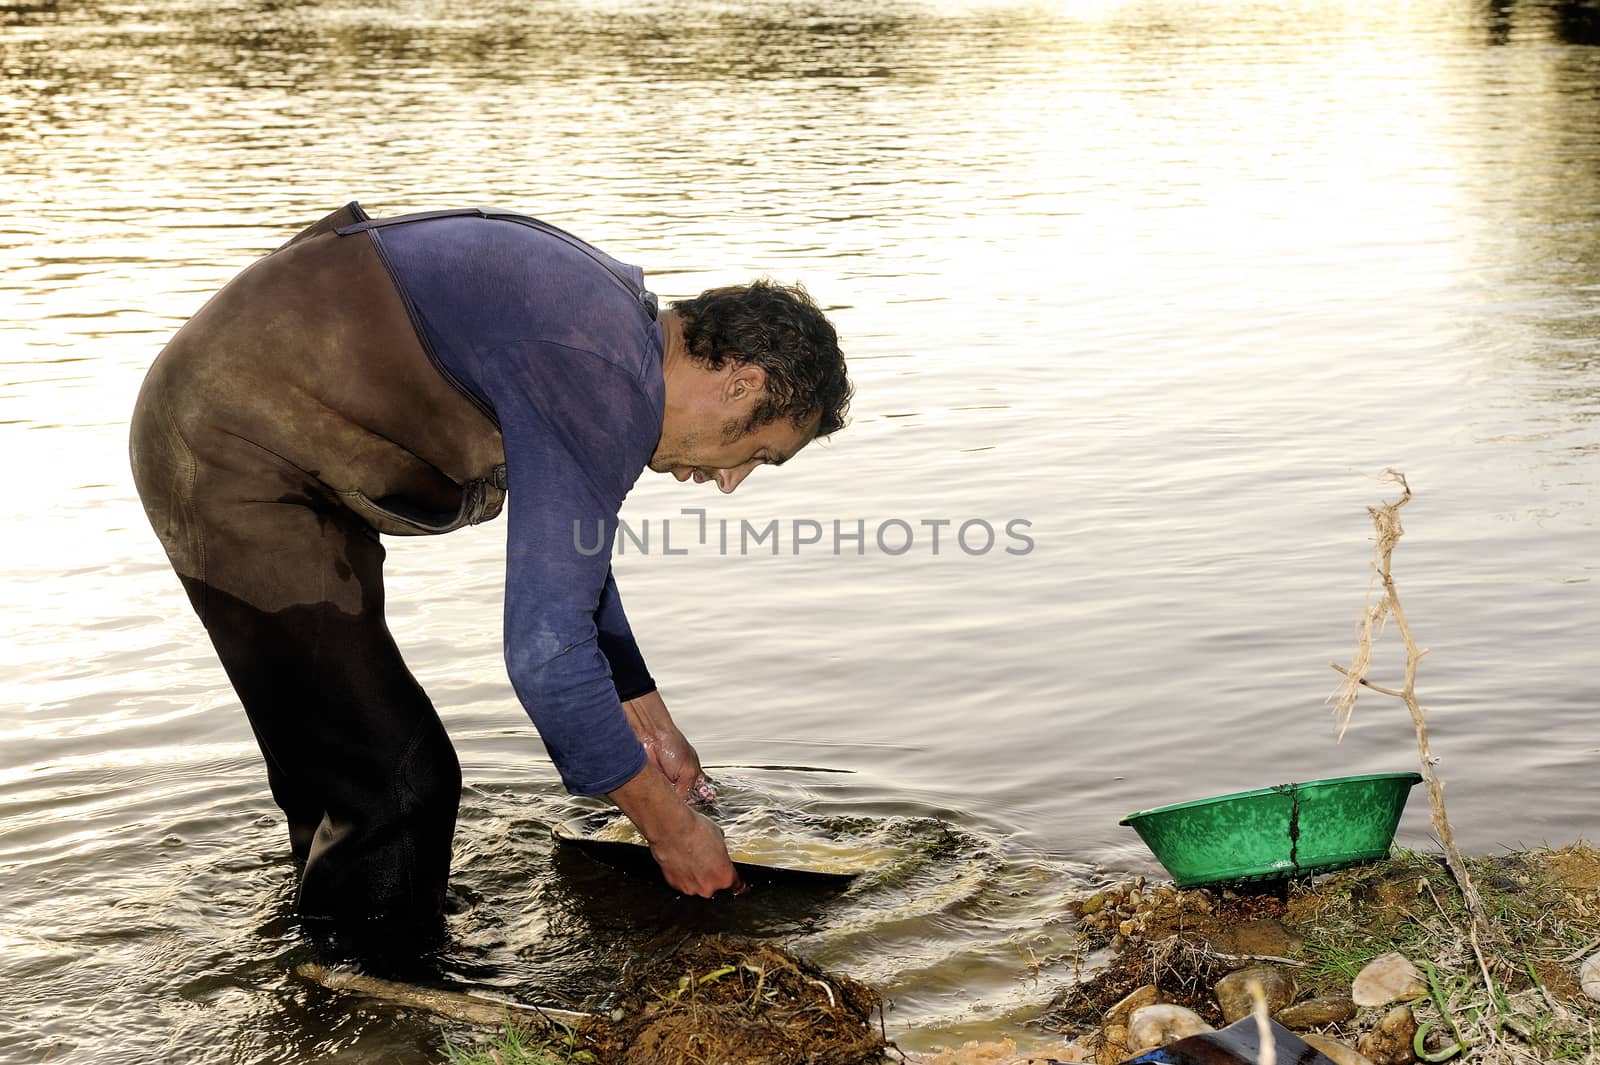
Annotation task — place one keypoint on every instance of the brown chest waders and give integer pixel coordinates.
(290, 421)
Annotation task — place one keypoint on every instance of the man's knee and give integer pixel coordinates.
(384, 851)
(428, 778)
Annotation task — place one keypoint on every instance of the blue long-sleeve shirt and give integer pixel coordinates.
(564, 356)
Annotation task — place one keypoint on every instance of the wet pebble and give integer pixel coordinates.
(1113, 1045)
(1315, 1012)
(1121, 913)
(1335, 1051)
(1233, 991)
(1119, 1013)
(1162, 1023)
(1390, 1042)
(1386, 979)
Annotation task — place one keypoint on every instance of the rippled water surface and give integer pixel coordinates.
(1168, 282)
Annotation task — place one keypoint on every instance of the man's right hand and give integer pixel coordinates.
(687, 845)
(696, 862)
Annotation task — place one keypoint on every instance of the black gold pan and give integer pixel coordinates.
(631, 857)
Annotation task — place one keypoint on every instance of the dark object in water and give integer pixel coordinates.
(630, 857)
(467, 1007)
(1237, 1044)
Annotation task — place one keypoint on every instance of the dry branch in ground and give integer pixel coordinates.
(1386, 520)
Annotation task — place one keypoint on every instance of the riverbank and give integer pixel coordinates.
(1310, 948)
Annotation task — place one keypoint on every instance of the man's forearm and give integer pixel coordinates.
(629, 673)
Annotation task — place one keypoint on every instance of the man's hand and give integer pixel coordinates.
(667, 748)
(696, 862)
(688, 846)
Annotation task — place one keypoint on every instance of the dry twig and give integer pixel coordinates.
(1386, 519)
(1267, 1053)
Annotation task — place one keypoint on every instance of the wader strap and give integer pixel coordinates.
(646, 299)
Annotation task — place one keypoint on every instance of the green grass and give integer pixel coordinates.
(1346, 937)
(516, 1046)
(1498, 1021)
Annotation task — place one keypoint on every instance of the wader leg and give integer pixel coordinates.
(289, 585)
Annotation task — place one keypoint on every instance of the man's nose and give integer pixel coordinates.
(728, 480)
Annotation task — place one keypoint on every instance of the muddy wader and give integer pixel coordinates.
(285, 426)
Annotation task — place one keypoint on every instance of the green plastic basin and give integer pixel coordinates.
(1277, 833)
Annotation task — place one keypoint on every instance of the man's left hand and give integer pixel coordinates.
(668, 749)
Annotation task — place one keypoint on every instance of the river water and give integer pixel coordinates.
(1158, 287)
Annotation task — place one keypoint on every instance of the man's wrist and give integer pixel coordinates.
(647, 711)
(653, 806)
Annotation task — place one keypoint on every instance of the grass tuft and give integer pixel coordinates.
(518, 1046)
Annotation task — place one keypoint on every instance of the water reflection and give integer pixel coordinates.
(1542, 206)
(287, 45)
(1568, 21)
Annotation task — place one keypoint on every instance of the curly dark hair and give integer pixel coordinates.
(781, 329)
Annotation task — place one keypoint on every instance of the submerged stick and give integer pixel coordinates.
(471, 1008)
(1386, 519)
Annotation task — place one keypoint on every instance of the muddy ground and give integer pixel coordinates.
(740, 1002)
(1523, 1003)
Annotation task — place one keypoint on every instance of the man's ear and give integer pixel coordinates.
(745, 381)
